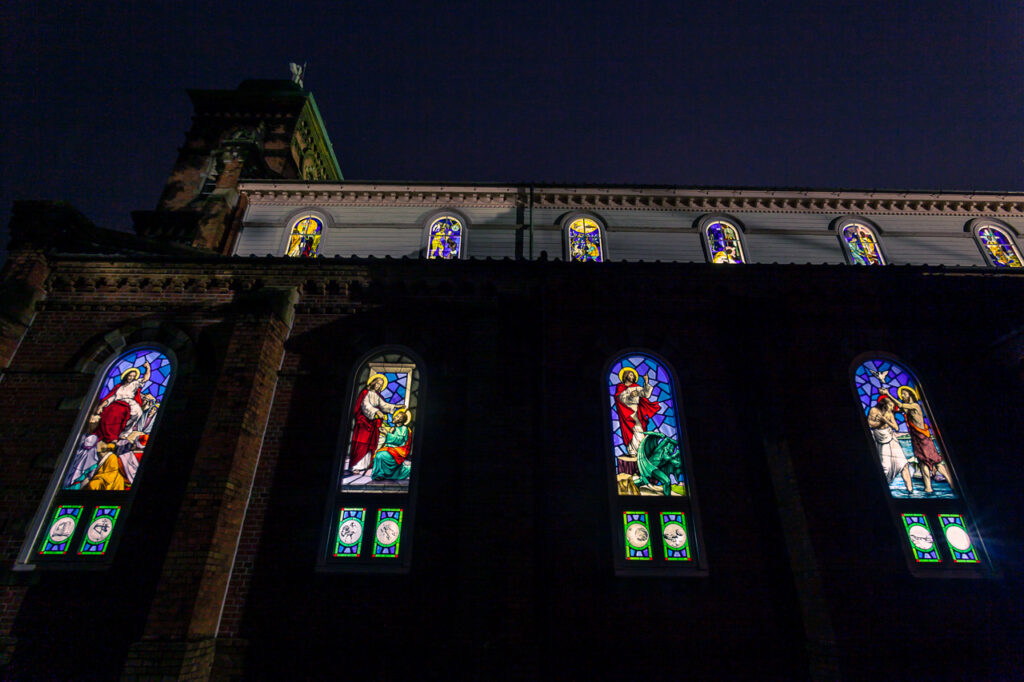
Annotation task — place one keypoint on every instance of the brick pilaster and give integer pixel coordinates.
(178, 641)
(21, 288)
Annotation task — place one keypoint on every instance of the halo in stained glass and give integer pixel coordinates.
(724, 243)
(304, 239)
(585, 241)
(444, 240)
(862, 245)
(1002, 252)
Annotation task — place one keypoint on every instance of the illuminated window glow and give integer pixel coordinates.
(862, 245)
(724, 243)
(445, 238)
(584, 236)
(304, 240)
(999, 247)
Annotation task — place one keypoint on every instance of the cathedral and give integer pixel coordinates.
(301, 427)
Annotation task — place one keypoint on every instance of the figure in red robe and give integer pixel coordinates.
(368, 410)
(635, 408)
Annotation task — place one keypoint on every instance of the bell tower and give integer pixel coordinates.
(264, 129)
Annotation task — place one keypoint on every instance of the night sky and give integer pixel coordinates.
(872, 95)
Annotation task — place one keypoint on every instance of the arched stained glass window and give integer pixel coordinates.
(584, 240)
(924, 493)
(371, 512)
(444, 238)
(655, 517)
(723, 242)
(998, 247)
(304, 237)
(862, 244)
(97, 482)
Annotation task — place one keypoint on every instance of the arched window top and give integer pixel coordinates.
(860, 241)
(93, 489)
(997, 244)
(446, 236)
(305, 232)
(723, 240)
(654, 515)
(584, 239)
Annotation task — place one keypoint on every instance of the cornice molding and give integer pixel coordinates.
(599, 199)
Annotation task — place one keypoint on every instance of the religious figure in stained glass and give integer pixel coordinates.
(445, 239)
(304, 241)
(862, 244)
(114, 437)
(379, 457)
(1001, 250)
(903, 431)
(645, 428)
(585, 241)
(724, 242)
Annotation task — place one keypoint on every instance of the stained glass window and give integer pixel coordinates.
(650, 484)
(370, 521)
(97, 481)
(924, 495)
(999, 247)
(724, 242)
(584, 238)
(445, 238)
(862, 245)
(903, 431)
(304, 238)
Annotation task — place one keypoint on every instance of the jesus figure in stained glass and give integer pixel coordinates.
(645, 429)
(862, 244)
(585, 241)
(724, 243)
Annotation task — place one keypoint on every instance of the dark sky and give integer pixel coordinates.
(887, 95)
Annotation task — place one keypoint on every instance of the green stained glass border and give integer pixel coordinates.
(683, 552)
(925, 556)
(961, 556)
(106, 512)
(387, 550)
(73, 512)
(638, 544)
(352, 549)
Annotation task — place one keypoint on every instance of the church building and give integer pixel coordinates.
(301, 427)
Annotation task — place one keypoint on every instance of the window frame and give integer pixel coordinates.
(568, 219)
(28, 557)
(705, 221)
(429, 221)
(289, 224)
(841, 223)
(619, 504)
(337, 499)
(946, 568)
(976, 225)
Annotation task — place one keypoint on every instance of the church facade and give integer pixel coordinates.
(302, 427)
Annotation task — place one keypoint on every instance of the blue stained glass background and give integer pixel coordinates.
(159, 364)
(870, 379)
(665, 420)
(394, 392)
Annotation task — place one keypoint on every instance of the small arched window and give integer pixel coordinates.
(584, 239)
(723, 240)
(445, 237)
(304, 235)
(654, 513)
(370, 518)
(924, 492)
(860, 242)
(94, 487)
(997, 245)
